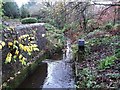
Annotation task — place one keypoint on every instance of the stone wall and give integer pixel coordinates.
(9, 70)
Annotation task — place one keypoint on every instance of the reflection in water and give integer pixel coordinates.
(36, 79)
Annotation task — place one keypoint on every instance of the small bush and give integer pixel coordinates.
(29, 20)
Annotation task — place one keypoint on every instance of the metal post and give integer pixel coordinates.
(80, 56)
(81, 50)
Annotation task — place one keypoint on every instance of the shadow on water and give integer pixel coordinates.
(36, 80)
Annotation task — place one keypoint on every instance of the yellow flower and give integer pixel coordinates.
(36, 49)
(25, 48)
(29, 50)
(23, 61)
(21, 46)
(17, 52)
(15, 41)
(27, 35)
(11, 27)
(20, 37)
(3, 43)
(8, 28)
(9, 57)
(0, 47)
(20, 56)
(34, 45)
(10, 43)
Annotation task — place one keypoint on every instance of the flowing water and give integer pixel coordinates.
(56, 72)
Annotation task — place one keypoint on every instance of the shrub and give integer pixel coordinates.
(29, 20)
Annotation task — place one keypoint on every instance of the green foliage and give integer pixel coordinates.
(74, 26)
(96, 32)
(11, 9)
(113, 75)
(0, 26)
(88, 79)
(54, 35)
(1, 9)
(29, 20)
(74, 48)
(117, 53)
(24, 11)
(105, 40)
(108, 26)
(116, 26)
(49, 27)
(108, 61)
(92, 24)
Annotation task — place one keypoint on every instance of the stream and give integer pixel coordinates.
(56, 72)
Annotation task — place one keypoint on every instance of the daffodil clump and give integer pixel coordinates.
(2, 44)
(18, 46)
(31, 46)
